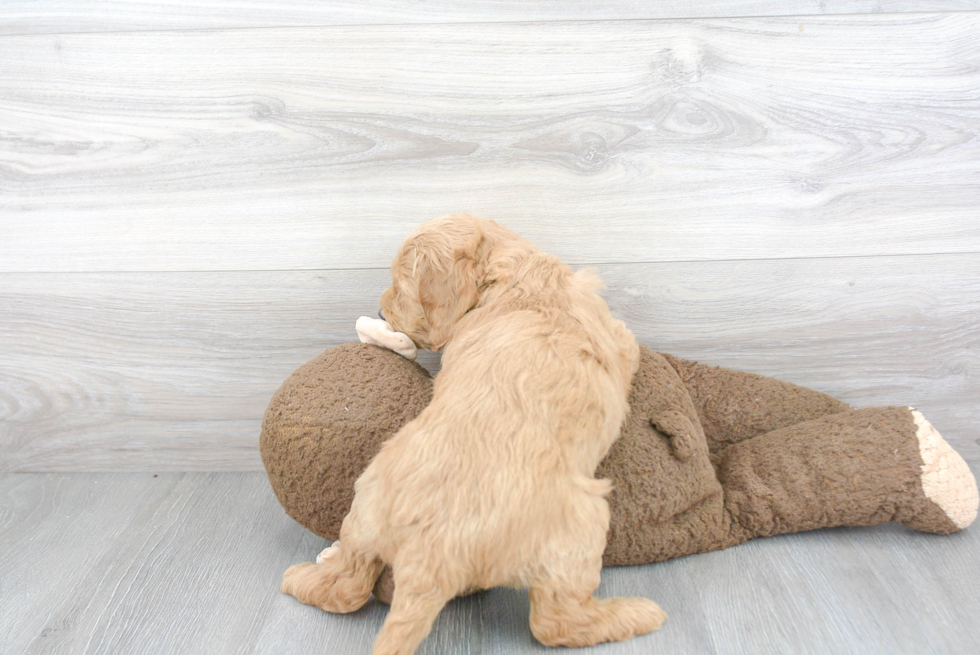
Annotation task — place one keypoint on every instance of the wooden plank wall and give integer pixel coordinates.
(192, 204)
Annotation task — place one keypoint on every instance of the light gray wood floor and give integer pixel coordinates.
(190, 563)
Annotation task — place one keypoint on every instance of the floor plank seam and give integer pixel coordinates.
(506, 22)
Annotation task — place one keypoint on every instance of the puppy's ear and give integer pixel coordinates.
(450, 288)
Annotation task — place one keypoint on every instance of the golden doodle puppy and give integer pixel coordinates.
(493, 483)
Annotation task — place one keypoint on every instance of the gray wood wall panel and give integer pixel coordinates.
(187, 216)
(610, 141)
(191, 563)
(172, 371)
(68, 16)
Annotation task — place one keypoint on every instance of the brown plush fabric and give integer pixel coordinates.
(860, 467)
(707, 458)
(659, 466)
(328, 420)
(735, 406)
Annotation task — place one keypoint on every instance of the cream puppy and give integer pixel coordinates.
(493, 483)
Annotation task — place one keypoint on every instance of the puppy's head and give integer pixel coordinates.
(436, 278)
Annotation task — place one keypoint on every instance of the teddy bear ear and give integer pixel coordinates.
(683, 434)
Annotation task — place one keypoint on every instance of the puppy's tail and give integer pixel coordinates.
(594, 487)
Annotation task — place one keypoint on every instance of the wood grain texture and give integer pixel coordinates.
(611, 141)
(70, 16)
(190, 564)
(172, 371)
(845, 590)
(193, 570)
(56, 533)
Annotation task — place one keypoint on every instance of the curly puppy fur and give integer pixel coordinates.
(493, 483)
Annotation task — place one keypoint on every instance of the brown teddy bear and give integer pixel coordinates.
(707, 458)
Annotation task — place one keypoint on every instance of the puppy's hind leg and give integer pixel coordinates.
(563, 610)
(416, 603)
(569, 615)
(341, 582)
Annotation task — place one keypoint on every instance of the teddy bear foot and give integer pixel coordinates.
(946, 479)
(328, 552)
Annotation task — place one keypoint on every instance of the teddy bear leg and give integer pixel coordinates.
(733, 406)
(861, 467)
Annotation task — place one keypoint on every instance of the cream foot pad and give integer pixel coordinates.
(946, 479)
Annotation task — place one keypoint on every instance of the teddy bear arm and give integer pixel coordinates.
(734, 406)
(684, 435)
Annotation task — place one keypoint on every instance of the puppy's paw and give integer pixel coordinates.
(640, 616)
(586, 624)
(297, 578)
(331, 586)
